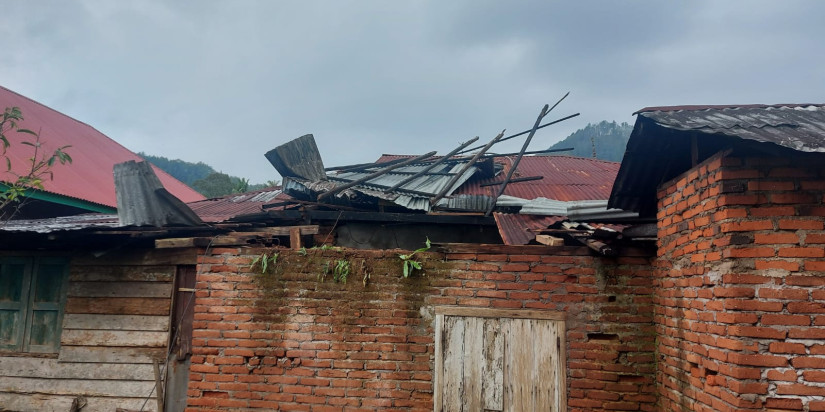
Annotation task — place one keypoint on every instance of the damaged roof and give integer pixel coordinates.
(660, 145)
(225, 208)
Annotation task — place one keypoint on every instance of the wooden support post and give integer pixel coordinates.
(295, 238)
(158, 384)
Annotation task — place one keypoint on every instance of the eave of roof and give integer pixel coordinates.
(659, 146)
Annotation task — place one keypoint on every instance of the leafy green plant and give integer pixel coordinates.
(39, 164)
(341, 270)
(408, 265)
(264, 260)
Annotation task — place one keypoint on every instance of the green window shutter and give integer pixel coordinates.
(46, 302)
(15, 280)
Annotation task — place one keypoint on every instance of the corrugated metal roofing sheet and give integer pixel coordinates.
(660, 137)
(798, 127)
(225, 208)
(89, 176)
(63, 223)
(515, 229)
(565, 178)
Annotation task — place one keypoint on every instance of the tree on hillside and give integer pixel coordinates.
(609, 139)
(186, 172)
(215, 185)
(15, 183)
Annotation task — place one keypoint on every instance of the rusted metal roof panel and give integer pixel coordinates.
(227, 207)
(565, 178)
(516, 229)
(89, 177)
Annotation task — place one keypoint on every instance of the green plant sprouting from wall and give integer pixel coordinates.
(264, 260)
(340, 270)
(408, 265)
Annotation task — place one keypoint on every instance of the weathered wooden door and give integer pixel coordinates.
(499, 360)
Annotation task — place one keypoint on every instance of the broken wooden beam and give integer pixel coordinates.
(549, 240)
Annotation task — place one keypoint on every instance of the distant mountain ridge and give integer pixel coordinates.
(204, 178)
(610, 139)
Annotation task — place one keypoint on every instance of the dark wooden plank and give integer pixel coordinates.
(121, 289)
(508, 249)
(116, 273)
(138, 257)
(119, 306)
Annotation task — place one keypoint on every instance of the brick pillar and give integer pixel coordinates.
(740, 275)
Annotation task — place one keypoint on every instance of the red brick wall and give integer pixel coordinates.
(288, 341)
(741, 303)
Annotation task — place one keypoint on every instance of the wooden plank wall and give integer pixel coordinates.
(116, 322)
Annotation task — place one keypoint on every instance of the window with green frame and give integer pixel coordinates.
(32, 297)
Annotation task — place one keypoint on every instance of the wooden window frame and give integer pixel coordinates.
(465, 311)
(29, 306)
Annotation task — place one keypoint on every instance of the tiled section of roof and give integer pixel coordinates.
(89, 176)
(225, 208)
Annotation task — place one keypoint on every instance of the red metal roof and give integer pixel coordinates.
(89, 177)
(566, 178)
(224, 208)
(515, 229)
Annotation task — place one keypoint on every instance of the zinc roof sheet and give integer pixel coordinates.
(89, 177)
(661, 134)
(796, 126)
(224, 208)
(565, 178)
(515, 229)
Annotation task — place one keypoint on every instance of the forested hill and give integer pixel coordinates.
(610, 139)
(186, 172)
(203, 178)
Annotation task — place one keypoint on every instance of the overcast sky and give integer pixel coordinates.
(225, 81)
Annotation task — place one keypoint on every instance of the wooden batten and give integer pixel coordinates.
(256, 235)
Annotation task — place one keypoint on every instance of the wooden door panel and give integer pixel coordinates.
(499, 364)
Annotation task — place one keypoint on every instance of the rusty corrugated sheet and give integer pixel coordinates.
(227, 207)
(515, 229)
(565, 178)
(89, 177)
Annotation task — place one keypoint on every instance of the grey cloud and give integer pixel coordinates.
(223, 82)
